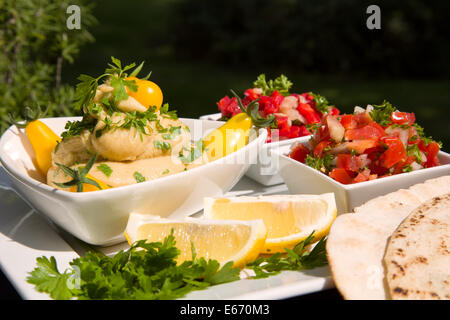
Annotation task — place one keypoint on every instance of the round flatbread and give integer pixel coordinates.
(417, 258)
(357, 241)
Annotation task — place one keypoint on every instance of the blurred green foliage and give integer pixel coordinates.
(198, 50)
(34, 44)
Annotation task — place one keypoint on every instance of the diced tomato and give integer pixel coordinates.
(322, 133)
(433, 149)
(270, 108)
(403, 117)
(362, 176)
(348, 162)
(348, 122)
(360, 146)
(371, 131)
(282, 120)
(252, 94)
(341, 175)
(334, 111)
(299, 153)
(395, 152)
(432, 152)
(284, 131)
(276, 98)
(432, 162)
(304, 131)
(262, 102)
(398, 168)
(318, 150)
(308, 113)
(269, 135)
(295, 132)
(228, 106)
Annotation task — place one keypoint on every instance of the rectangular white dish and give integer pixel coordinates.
(265, 170)
(302, 179)
(100, 217)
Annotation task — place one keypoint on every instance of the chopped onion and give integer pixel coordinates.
(415, 166)
(340, 148)
(358, 109)
(336, 129)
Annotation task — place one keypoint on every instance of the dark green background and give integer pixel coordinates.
(198, 50)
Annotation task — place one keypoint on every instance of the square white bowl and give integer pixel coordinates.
(302, 179)
(100, 217)
(265, 170)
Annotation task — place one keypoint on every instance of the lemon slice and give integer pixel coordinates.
(237, 241)
(289, 219)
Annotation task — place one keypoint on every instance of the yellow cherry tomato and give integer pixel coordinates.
(87, 187)
(149, 94)
(228, 138)
(43, 140)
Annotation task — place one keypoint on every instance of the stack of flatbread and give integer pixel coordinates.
(395, 246)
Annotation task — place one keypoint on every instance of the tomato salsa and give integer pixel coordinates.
(371, 143)
(296, 114)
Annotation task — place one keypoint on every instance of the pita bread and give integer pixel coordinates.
(417, 258)
(357, 241)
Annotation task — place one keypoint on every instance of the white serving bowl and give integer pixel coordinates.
(302, 179)
(100, 217)
(265, 170)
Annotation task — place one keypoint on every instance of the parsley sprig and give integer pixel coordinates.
(87, 87)
(381, 114)
(144, 271)
(280, 84)
(150, 271)
(297, 259)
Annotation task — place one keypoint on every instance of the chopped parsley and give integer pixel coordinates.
(105, 169)
(192, 154)
(381, 114)
(139, 177)
(162, 145)
(321, 102)
(321, 164)
(165, 171)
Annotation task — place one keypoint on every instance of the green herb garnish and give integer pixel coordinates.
(78, 175)
(192, 154)
(322, 164)
(162, 145)
(139, 177)
(150, 271)
(280, 84)
(144, 271)
(413, 150)
(87, 87)
(296, 259)
(321, 102)
(381, 114)
(105, 169)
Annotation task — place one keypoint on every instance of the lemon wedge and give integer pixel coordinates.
(222, 240)
(289, 219)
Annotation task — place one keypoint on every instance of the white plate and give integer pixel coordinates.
(26, 235)
(100, 218)
(266, 170)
